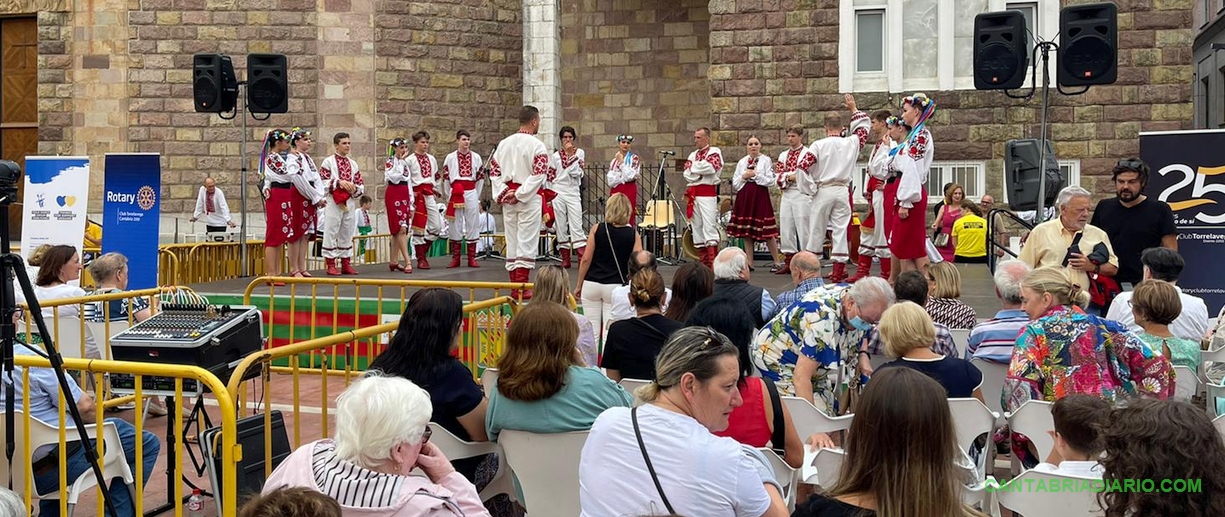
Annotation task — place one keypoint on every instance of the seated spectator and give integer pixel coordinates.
(643, 460)
(692, 283)
(992, 340)
(1079, 419)
(290, 502)
(908, 333)
(553, 285)
(629, 352)
(1166, 265)
(11, 503)
(805, 268)
(110, 272)
(732, 281)
(944, 304)
(969, 235)
(621, 308)
(542, 387)
(62, 264)
(381, 436)
(763, 419)
(911, 286)
(882, 475)
(1163, 441)
(421, 350)
(1155, 305)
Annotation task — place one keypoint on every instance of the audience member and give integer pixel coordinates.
(1163, 441)
(605, 264)
(969, 235)
(11, 503)
(763, 419)
(692, 283)
(885, 476)
(60, 265)
(944, 304)
(732, 281)
(381, 436)
(1078, 425)
(911, 286)
(1134, 221)
(798, 347)
(1166, 265)
(643, 460)
(553, 285)
(908, 334)
(1071, 243)
(946, 216)
(110, 272)
(291, 502)
(805, 269)
(621, 308)
(1155, 304)
(992, 340)
(631, 347)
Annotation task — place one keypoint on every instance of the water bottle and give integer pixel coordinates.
(195, 505)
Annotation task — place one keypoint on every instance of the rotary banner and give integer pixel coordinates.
(132, 212)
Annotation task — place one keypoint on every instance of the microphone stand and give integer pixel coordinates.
(662, 192)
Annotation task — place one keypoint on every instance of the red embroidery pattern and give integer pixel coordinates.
(540, 164)
(276, 164)
(861, 131)
(424, 161)
(495, 170)
(391, 162)
(465, 164)
(567, 161)
(918, 146)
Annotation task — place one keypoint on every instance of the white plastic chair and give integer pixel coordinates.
(1186, 383)
(455, 449)
(1033, 419)
(632, 385)
(961, 338)
(808, 420)
(994, 375)
(112, 461)
(786, 476)
(827, 464)
(1065, 503)
(546, 466)
(489, 380)
(1215, 391)
(971, 419)
(1219, 422)
(102, 332)
(69, 338)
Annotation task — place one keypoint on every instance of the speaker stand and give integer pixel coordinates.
(1045, 47)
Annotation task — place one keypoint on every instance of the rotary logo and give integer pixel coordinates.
(146, 197)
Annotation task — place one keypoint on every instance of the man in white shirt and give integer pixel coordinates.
(621, 308)
(565, 177)
(518, 170)
(427, 216)
(830, 187)
(1166, 265)
(488, 227)
(1078, 419)
(702, 208)
(873, 242)
(212, 208)
(344, 186)
(462, 182)
(793, 216)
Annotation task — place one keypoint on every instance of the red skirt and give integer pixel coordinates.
(631, 191)
(278, 217)
(399, 210)
(907, 237)
(753, 214)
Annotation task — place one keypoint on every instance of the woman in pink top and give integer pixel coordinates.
(948, 214)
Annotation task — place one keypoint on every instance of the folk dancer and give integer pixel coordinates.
(518, 169)
(753, 213)
(623, 174)
(462, 184)
(278, 187)
(344, 186)
(211, 206)
(566, 177)
(399, 200)
(702, 175)
(830, 188)
(793, 216)
(308, 201)
(906, 186)
(872, 230)
(427, 215)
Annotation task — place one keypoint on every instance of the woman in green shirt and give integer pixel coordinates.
(1156, 304)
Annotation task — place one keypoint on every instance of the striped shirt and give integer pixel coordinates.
(992, 340)
(789, 298)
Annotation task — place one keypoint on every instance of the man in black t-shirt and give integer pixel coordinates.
(1133, 221)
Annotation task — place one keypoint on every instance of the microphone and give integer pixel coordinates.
(668, 153)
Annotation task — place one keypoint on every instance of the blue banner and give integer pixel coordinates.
(131, 212)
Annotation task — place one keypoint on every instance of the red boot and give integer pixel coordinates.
(422, 250)
(708, 256)
(472, 255)
(525, 276)
(886, 266)
(331, 265)
(786, 269)
(838, 275)
(454, 255)
(565, 258)
(863, 269)
(346, 267)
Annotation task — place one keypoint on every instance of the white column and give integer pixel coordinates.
(542, 64)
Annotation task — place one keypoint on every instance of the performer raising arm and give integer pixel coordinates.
(702, 174)
(831, 186)
(461, 184)
(872, 229)
(344, 186)
(567, 176)
(517, 171)
(623, 174)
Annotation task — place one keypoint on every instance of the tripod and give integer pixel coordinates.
(14, 269)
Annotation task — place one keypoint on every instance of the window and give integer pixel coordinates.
(870, 40)
(972, 176)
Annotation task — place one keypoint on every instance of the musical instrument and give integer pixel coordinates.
(659, 214)
(211, 337)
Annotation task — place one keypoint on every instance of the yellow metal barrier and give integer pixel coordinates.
(214, 261)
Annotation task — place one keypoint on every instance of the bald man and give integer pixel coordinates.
(806, 273)
(212, 208)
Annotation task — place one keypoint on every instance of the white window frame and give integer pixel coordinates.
(938, 178)
(1069, 168)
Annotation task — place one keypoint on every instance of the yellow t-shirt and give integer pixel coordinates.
(970, 234)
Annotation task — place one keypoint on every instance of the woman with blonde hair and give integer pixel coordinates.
(908, 335)
(944, 305)
(949, 213)
(606, 263)
(553, 285)
(629, 352)
(1155, 305)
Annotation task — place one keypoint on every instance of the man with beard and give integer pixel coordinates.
(1134, 221)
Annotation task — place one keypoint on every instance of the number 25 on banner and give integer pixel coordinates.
(1199, 191)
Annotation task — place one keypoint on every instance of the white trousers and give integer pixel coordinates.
(568, 209)
(433, 223)
(338, 228)
(875, 244)
(466, 225)
(522, 221)
(831, 208)
(793, 216)
(706, 221)
(597, 307)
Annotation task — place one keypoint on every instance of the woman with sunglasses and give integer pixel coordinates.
(906, 186)
(753, 213)
(623, 174)
(381, 436)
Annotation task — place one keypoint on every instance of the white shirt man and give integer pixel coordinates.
(831, 186)
(702, 175)
(872, 241)
(342, 180)
(793, 210)
(462, 184)
(565, 177)
(519, 168)
(212, 208)
(427, 217)
(1166, 265)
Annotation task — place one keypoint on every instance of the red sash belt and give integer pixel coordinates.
(695, 191)
(458, 188)
(424, 188)
(546, 206)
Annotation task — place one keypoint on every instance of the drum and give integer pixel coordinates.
(658, 214)
(691, 251)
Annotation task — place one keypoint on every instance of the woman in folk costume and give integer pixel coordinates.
(906, 186)
(873, 242)
(399, 200)
(277, 187)
(753, 214)
(309, 199)
(623, 174)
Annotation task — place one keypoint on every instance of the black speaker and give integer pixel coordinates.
(1001, 50)
(214, 86)
(1088, 44)
(1021, 174)
(267, 84)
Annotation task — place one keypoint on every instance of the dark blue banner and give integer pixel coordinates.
(1188, 172)
(131, 211)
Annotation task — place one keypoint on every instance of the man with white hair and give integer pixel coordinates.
(732, 281)
(798, 347)
(992, 340)
(1071, 242)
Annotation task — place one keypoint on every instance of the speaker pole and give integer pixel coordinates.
(1045, 47)
(242, 152)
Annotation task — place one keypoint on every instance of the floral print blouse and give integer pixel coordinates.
(1067, 351)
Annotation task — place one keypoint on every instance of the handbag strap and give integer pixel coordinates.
(643, 447)
(778, 438)
(613, 250)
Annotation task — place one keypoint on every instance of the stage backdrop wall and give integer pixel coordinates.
(131, 213)
(1188, 172)
(54, 202)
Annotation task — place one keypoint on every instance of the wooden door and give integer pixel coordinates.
(18, 100)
